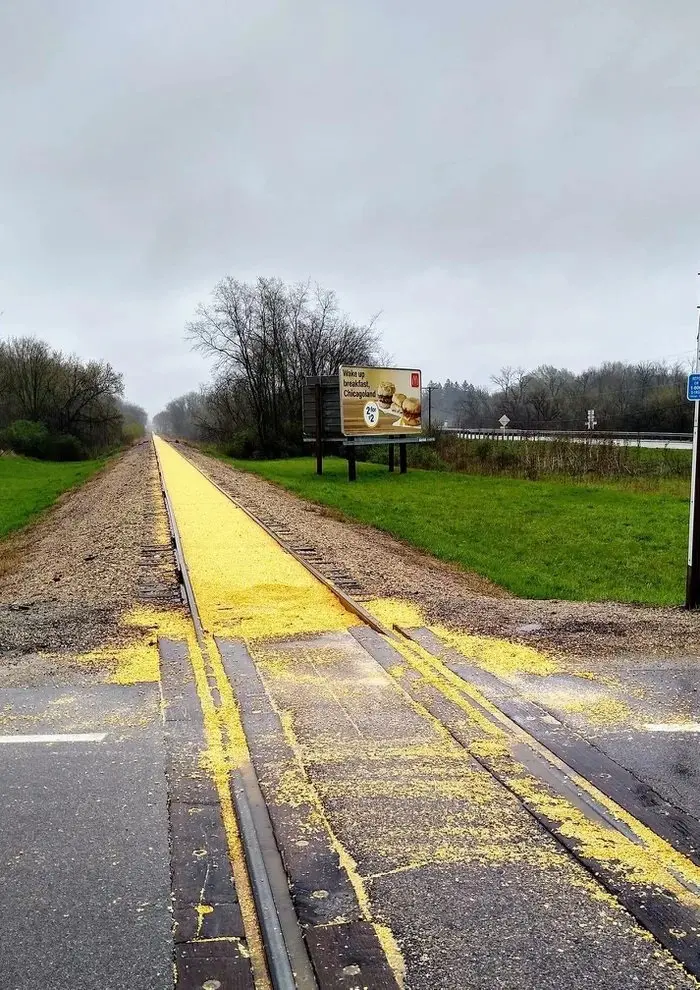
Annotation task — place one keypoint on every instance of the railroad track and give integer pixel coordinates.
(280, 956)
(529, 745)
(286, 964)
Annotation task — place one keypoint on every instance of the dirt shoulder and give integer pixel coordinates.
(382, 567)
(102, 550)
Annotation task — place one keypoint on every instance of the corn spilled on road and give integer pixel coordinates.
(464, 888)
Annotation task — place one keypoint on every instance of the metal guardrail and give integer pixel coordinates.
(479, 433)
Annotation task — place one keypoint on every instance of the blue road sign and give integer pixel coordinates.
(694, 388)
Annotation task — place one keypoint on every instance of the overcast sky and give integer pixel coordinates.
(508, 182)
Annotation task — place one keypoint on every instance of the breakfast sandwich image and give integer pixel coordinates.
(385, 395)
(410, 413)
(397, 403)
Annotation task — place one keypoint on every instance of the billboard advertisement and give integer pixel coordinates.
(380, 401)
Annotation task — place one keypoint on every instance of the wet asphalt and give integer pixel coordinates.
(475, 892)
(638, 710)
(84, 842)
(84, 851)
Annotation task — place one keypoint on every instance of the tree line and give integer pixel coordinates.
(648, 396)
(264, 337)
(55, 406)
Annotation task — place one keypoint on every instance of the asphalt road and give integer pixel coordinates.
(475, 892)
(642, 712)
(84, 841)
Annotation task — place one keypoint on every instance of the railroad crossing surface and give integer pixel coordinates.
(320, 794)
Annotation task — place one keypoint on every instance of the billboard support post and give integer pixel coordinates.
(319, 429)
(391, 458)
(352, 463)
(403, 463)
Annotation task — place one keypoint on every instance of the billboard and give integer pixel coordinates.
(380, 401)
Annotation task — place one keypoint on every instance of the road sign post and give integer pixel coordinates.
(692, 581)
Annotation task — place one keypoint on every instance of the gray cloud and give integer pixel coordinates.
(507, 182)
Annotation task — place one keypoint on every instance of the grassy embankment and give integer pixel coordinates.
(583, 541)
(28, 487)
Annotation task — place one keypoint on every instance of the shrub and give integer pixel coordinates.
(131, 432)
(26, 437)
(241, 446)
(66, 447)
(34, 440)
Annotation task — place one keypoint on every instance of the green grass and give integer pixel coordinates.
(539, 539)
(28, 487)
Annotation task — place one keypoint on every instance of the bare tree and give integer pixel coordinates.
(65, 395)
(265, 337)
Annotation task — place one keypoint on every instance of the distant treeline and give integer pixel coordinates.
(56, 407)
(629, 397)
(265, 337)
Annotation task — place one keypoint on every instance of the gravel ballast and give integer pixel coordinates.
(382, 567)
(100, 551)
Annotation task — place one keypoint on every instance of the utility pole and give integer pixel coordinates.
(692, 582)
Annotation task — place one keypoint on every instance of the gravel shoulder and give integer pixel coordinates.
(101, 550)
(382, 567)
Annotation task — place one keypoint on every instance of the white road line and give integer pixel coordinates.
(673, 727)
(57, 738)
